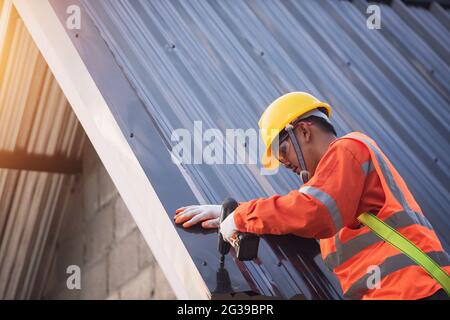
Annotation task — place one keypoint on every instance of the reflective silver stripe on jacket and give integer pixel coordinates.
(367, 167)
(393, 187)
(345, 251)
(391, 265)
(328, 202)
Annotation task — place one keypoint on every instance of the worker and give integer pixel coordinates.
(342, 178)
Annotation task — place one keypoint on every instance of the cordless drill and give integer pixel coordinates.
(246, 245)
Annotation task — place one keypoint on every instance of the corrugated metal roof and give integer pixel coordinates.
(34, 118)
(222, 62)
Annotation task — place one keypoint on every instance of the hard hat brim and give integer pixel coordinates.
(269, 162)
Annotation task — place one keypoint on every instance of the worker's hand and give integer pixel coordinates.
(208, 215)
(228, 228)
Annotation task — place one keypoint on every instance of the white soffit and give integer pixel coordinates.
(35, 119)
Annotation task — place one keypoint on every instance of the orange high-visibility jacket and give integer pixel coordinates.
(354, 176)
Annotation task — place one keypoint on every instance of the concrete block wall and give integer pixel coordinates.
(99, 235)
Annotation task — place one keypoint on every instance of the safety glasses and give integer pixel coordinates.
(284, 145)
(281, 150)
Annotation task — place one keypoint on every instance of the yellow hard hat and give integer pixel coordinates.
(280, 113)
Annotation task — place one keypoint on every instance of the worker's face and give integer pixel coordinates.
(288, 157)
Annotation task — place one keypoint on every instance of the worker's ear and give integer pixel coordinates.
(304, 131)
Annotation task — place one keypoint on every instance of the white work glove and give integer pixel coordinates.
(228, 229)
(208, 215)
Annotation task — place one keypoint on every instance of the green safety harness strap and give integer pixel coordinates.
(396, 239)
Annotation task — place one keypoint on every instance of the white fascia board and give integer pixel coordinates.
(112, 147)
(5, 14)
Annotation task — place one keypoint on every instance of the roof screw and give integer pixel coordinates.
(204, 263)
(436, 160)
(132, 135)
(348, 63)
(261, 53)
(172, 46)
(279, 264)
(77, 35)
